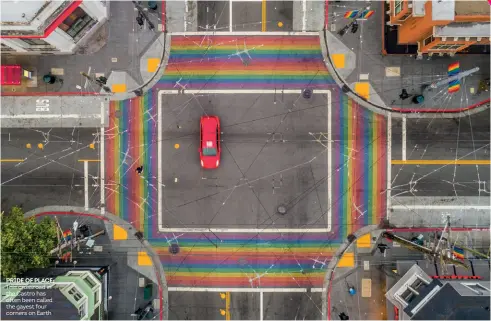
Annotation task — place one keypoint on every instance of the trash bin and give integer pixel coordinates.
(148, 291)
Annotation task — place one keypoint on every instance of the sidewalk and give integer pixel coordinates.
(357, 266)
(380, 79)
(130, 57)
(121, 241)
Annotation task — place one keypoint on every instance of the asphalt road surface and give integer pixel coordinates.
(245, 306)
(52, 175)
(268, 159)
(442, 139)
(246, 16)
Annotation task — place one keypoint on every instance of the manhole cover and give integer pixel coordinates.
(281, 209)
(307, 93)
(174, 249)
(117, 113)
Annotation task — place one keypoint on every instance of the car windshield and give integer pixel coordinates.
(209, 151)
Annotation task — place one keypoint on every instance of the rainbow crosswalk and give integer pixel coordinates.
(245, 62)
(359, 165)
(234, 259)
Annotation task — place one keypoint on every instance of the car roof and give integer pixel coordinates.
(209, 130)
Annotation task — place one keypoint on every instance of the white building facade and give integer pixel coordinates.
(49, 27)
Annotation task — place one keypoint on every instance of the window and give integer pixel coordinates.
(90, 282)
(407, 296)
(96, 296)
(404, 17)
(428, 40)
(77, 22)
(38, 45)
(35, 42)
(81, 310)
(446, 46)
(209, 151)
(477, 288)
(397, 6)
(76, 295)
(6, 48)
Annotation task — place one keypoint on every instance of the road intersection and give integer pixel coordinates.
(334, 165)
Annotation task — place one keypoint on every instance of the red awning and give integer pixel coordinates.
(11, 75)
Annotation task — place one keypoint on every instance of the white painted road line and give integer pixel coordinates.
(246, 91)
(261, 307)
(304, 15)
(86, 184)
(240, 230)
(389, 166)
(103, 168)
(404, 121)
(185, 16)
(329, 161)
(230, 14)
(50, 116)
(159, 160)
(441, 207)
(244, 290)
(245, 33)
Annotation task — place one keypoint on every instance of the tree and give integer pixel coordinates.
(25, 243)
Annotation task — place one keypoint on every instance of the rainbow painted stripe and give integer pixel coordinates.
(351, 14)
(130, 143)
(360, 166)
(245, 260)
(245, 62)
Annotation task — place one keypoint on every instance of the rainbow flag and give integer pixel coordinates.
(67, 235)
(458, 253)
(366, 14)
(454, 85)
(453, 69)
(351, 14)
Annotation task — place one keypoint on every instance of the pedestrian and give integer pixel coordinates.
(139, 169)
(139, 19)
(354, 27)
(404, 95)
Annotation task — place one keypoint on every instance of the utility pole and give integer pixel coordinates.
(142, 13)
(96, 81)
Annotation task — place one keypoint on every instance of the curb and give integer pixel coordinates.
(331, 267)
(393, 112)
(95, 213)
(154, 79)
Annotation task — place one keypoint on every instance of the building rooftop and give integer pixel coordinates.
(443, 10)
(474, 7)
(17, 12)
(448, 304)
(466, 29)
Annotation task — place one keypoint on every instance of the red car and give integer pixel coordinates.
(209, 147)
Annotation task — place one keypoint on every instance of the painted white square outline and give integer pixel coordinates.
(240, 230)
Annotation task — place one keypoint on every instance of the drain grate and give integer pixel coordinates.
(281, 209)
(307, 93)
(174, 249)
